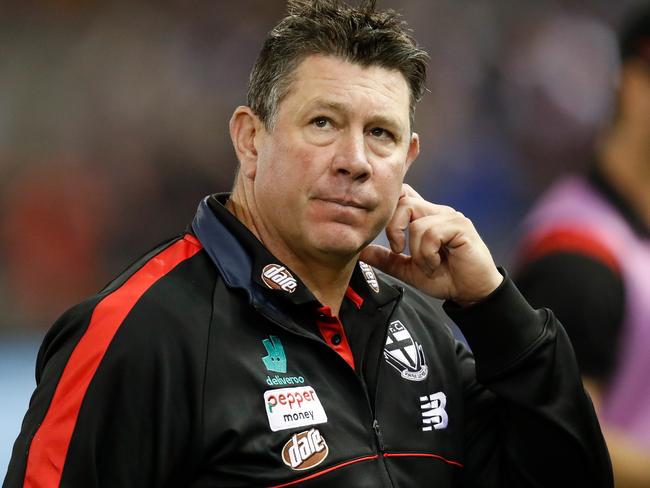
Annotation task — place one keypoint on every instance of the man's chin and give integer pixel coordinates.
(341, 240)
(343, 246)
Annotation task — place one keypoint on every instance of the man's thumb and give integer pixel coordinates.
(384, 259)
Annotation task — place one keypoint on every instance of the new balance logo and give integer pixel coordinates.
(434, 415)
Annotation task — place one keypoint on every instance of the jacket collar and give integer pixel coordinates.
(244, 262)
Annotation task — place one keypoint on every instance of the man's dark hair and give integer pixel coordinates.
(634, 35)
(359, 35)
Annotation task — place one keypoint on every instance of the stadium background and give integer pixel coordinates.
(113, 124)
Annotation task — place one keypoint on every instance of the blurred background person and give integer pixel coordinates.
(586, 255)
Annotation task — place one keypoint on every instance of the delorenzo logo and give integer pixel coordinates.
(278, 277)
(305, 450)
(404, 354)
(369, 275)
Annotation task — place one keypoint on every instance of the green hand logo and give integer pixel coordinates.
(276, 360)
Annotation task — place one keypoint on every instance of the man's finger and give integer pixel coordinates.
(408, 191)
(383, 259)
(399, 222)
(424, 247)
(396, 228)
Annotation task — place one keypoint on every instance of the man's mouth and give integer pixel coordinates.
(345, 202)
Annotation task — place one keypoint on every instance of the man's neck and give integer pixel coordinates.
(325, 277)
(625, 162)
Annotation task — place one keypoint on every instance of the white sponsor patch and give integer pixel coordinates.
(288, 408)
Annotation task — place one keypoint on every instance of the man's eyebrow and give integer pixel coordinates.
(380, 120)
(385, 121)
(327, 104)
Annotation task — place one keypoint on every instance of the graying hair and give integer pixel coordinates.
(359, 35)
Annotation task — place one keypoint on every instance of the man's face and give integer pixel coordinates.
(330, 172)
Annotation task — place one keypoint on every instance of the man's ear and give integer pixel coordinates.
(245, 131)
(413, 151)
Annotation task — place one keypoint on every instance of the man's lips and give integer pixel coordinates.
(346, 202)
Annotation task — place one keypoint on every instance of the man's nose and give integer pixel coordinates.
(351, 158)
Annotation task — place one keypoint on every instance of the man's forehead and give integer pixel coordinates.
(313, 67)
(330, 82)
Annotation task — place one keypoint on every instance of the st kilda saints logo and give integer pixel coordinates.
(305, 450)
(404, 354)
(278, 277)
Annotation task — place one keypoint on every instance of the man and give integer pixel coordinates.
(586, 255)
(257, 350)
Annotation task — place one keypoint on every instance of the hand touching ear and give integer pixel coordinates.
(448, 259)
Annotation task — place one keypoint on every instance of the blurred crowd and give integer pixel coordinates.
(114, 117)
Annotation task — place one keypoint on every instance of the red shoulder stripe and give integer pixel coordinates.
(578, 241)
(49, 447)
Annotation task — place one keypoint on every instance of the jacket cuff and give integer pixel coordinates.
(499, 329)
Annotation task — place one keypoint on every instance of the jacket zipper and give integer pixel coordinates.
(375, 423)
(378, 435)
(376, 428)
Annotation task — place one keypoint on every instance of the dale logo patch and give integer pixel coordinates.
(305, 450)
(369, 275)
(404, 354)
(278, 277)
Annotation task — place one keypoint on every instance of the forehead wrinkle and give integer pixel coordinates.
(328, 104)
(364, 78)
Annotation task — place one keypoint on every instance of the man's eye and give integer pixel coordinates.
(381, 133)
(321, 122)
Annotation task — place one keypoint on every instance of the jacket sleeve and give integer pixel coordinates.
(110, 411)
(529, 421)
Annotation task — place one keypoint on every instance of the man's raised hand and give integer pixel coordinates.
(448, 259)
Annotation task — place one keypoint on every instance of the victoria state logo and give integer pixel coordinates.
(369, 275)
(305, 450)
(404, 354)
(278, 277)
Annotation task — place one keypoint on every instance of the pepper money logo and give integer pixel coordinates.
(290, 408)
(404, 354)
(278, 277)
(305, 450)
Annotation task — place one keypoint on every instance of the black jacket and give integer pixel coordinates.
(204, 365)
